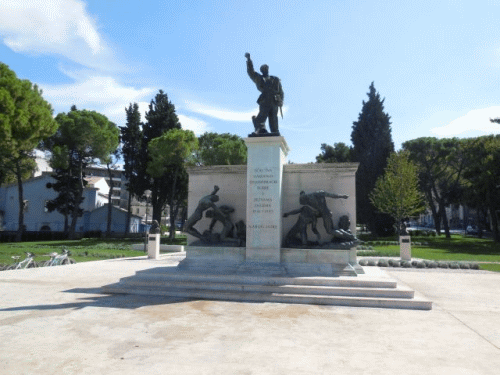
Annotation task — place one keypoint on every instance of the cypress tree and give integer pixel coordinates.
(131, 135)
(160, 118)
(372, 144)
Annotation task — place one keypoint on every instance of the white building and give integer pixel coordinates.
(36, 215)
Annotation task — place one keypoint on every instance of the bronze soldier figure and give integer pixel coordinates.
(270, 100)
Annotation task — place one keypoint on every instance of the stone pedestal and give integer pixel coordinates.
(266, 157)
(405, 247)
(154, 246)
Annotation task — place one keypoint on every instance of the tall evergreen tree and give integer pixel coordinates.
(83, 136)
(160, 118)
(482, 175)
(168, 156)
(372, 144)
(131, 136)
(66, 185)
(440, 165)
(25, 120)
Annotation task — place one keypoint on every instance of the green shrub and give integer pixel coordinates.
(383, 263)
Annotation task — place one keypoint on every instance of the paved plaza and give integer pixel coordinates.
(56, 321)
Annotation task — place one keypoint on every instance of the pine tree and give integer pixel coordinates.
(66, 185)
(25, 120)
(338, 153)
(220, 149)
(82, 137)
(372, 144)
(160, 118)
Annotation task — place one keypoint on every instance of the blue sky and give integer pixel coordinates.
(436, 63)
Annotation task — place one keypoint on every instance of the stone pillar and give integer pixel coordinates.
(405, 247)
(266, 157)
(154, 246)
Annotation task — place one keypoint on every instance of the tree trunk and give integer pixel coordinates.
(434, 212)
(494, 217)
(172, 213)
(66, 224)
(129, 205)
(155, 201)
(494, 221)
(110, 206)
(78, 197)
(74, 218)
(445, 222)
(439, 213)
(437, 220)
(20, 223)
(485, 212)
(174, 210)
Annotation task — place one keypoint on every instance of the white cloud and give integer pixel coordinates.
(477, 120)
(222, 113)
(57, 26)
(99, 93)
(97, 89)
(194, 124)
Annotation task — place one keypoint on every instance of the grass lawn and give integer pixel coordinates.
(84, 250)
(456, 248)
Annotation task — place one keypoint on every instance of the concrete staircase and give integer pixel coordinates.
(360, 291)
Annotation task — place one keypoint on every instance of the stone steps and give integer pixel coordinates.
(341, 291)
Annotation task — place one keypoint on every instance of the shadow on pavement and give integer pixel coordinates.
(118, 301)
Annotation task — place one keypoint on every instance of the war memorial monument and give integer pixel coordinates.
(270, 231)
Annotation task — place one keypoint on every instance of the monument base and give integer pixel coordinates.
(292, 262)
(264, 282)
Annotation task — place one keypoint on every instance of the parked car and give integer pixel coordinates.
(472, 230)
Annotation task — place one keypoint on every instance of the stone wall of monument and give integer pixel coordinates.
(338, 178)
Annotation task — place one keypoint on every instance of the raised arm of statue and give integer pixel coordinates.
(254, 76)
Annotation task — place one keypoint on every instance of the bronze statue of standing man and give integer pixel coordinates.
(270, 100)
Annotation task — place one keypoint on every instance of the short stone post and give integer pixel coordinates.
(154, 246)
(405, 247)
